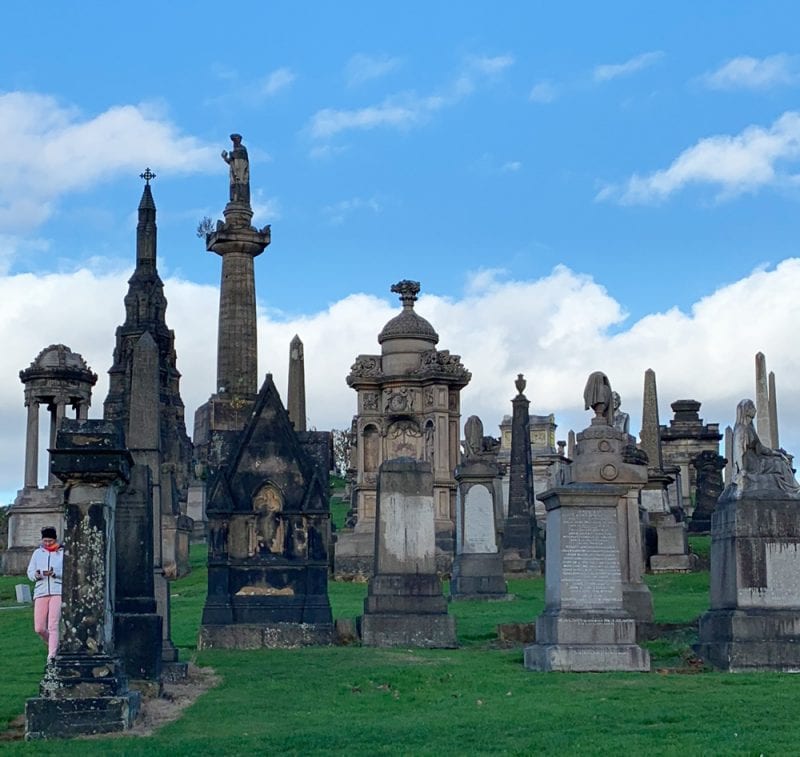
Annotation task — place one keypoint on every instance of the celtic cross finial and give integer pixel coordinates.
(147, 176)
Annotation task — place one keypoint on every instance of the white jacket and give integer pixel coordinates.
(42, 560)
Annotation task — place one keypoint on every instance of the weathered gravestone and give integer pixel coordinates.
(754, 620)
(478, 565)
(585, 626)
(404, 604)
(84, 689)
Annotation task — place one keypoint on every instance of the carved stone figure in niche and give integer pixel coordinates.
(429, 442)
(597, 396)
(756, 467)
(299, 538)
(371, 401)
(622, 420)
(398, 401)
(239, 165)
(404, 439)
(218, 538)
(269, 526)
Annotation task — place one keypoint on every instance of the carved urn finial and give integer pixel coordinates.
(520, 383)
(408, 291)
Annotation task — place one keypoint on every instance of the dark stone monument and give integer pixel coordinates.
(709, 467)
(520, 531)
(585, 626)
(296, 394)
(754, 620)
(478, 565)
(84, 689)
(404, 604)
(268, 539)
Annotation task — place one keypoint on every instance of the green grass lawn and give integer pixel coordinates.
(477, 699)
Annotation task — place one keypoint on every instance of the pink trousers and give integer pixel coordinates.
(46, 614)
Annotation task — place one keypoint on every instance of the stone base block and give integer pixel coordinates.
(14, 561)
(408, 630)
(671, 563)
(478, 576)
(413, 593)
(750, 640)
(174, 672)
(672, 538)
(638, 602)
(584, 642)
(354, 559)
(47, 718)
(138, 638)
(515, 566)
(582, 658)
(257, 636)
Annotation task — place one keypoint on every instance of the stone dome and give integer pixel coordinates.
(59, 356)
(58, 362)
(408, 324)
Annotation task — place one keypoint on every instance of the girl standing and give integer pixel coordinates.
(46, 568)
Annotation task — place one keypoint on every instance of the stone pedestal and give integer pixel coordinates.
(405, 605)
(584, 626)
(672, 543)
(754, 620)
(84, 690)
(32, 510)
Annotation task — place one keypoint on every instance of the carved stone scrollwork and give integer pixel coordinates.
(398, 400)
(441, 362)
(366, 366)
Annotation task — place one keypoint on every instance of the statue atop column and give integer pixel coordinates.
(239, 165)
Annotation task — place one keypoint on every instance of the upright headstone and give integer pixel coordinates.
(519, 532)
(709, 489)
(478, 565)
(762, 399)
(404, 604)
(585, 626)
(754, 620)
(84, 689)
(138, 626)
(296, 404)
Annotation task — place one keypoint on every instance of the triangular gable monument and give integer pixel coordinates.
(267, 506)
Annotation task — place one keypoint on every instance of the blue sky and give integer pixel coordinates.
(650, 150)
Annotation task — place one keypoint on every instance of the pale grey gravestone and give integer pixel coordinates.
(23, 592)
(404, 604)
(585, 626)
(754, 620)
(763, 415)
(478, 565)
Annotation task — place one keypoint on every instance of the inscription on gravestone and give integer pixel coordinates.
(589, 568)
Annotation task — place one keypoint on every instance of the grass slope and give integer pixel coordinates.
(474, 700)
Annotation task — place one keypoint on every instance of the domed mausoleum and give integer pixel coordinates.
(408, 406)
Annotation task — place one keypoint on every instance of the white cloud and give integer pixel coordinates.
(339, 211)
(543, 92)
(555, 330)
(407, 109)
(746, 72)
(48, 149)
(362, 68)
(279, 79)
(609, 71)
(735, 164)
(491, 65)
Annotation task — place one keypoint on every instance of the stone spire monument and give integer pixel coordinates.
(296, 403)
(145, 312)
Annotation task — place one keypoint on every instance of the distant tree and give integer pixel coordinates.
(341, 451)
(206, 226)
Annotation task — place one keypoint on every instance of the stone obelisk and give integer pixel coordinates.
(773, 413)
(763, 415)
(238, 244)
(296, 404)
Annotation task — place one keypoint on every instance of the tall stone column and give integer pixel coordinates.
(520, 527)
(32, 446)
(84, 689)
(57, 413)
(296, 395)
(762, 399)
(773, 413)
